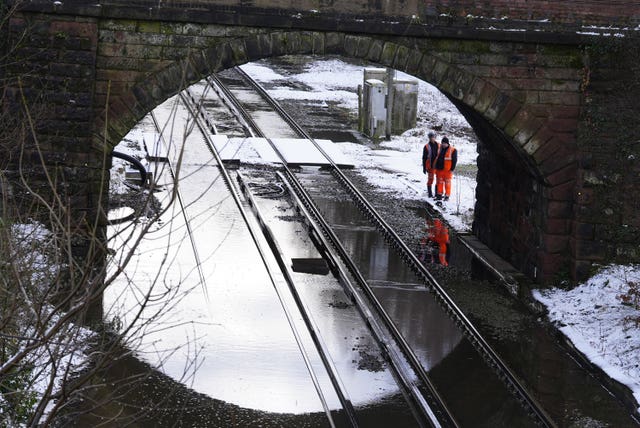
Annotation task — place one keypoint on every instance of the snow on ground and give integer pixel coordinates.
(31, 248)
(48, 363)
(321, 77)
(393, 166)
(593, 317)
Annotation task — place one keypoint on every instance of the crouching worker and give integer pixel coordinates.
(445, 163)
(429, 153)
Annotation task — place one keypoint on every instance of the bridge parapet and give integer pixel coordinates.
(533, 20)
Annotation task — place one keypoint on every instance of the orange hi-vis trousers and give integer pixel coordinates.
(443, 182)
(431, 173)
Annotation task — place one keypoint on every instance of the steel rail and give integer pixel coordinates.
(339, 388)
(529, 403)
(436, 404)
(230, 101)
(314, 331)
(435, 418)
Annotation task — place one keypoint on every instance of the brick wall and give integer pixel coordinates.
(545, 12)
(607, 212)
(50, 95)
(132, 51)
(526, 114)
(587, 12)
(617, 12)
(509, 201)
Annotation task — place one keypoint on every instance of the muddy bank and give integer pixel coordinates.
(129, 392)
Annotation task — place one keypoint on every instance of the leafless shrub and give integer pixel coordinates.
(54, 343)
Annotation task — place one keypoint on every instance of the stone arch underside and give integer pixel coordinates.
(534, 141)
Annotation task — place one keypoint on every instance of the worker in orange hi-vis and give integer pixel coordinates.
(445, 163)
(429, 152)
(440, 235)
(434, 245)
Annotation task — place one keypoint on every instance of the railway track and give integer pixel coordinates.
(424, 413)
(278, 277)
(429, 407)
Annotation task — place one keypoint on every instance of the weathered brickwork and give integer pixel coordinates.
(542, 188)
(572, 12)
(55, 63)
(607, 211)
(619, 12)
(130, 52)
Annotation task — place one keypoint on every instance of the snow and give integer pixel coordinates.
(31, 243)
(591, 33)
(266, 74)
(593, 317)
(51, 360)
(590, 315)
(393, 166)
(66, 354)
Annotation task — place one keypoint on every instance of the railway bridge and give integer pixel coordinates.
(550, 88)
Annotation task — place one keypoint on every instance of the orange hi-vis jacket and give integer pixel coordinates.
(441, 237)
(429, 153)
(448, 160)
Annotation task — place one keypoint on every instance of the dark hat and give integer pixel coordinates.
(431, 134)
(445, 140)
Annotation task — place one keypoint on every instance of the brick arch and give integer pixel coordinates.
(533, 134)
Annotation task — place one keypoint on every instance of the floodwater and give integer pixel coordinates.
(216, 321)
(212, 319)
(217, 324)
(269, 121)
(222, 319)
(354, 352)
(471, 390)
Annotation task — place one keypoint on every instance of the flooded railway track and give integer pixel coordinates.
(430, 408)
(246, 202)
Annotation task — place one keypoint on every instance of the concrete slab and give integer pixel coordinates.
(244, 149)
(296, 151)
(221, 143)
(299, 151)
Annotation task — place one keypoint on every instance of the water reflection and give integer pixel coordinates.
(227, 321)
(470, 388)
(432, 334)
(353, 350)
(434, 245)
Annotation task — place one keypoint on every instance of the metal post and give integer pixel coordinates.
(391, 74)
